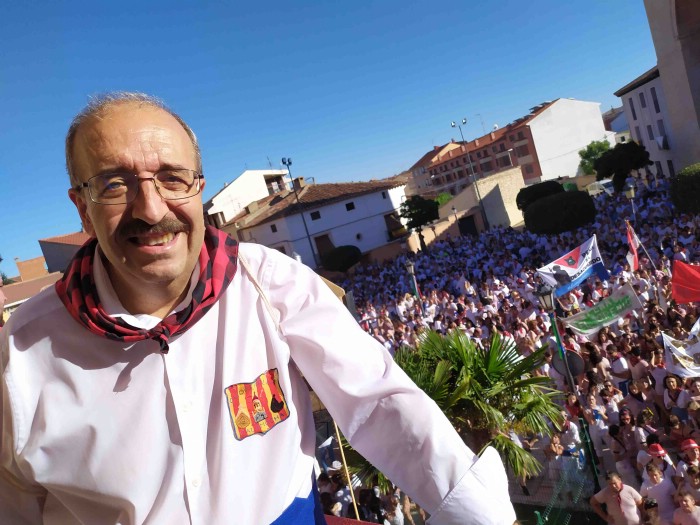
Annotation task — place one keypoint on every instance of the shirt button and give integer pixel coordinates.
(196, 482)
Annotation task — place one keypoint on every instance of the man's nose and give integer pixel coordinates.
(148, 205)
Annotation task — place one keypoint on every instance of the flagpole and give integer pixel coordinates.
(658, 297)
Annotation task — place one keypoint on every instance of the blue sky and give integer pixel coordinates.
(349, 90)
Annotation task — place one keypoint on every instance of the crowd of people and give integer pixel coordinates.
(644, 422)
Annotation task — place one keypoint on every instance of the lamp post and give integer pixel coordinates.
(287, 161)
(545, 295)
(629, 193)
(471, 168)
(411, 270)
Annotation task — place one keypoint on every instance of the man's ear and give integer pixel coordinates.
(77, 198)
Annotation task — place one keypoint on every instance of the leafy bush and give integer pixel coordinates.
(685, 189)
(561, 212)
(530, 194)
(341, 258)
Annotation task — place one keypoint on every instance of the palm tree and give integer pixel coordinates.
(486, 393)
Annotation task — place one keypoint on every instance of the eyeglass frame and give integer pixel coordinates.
(197, 177)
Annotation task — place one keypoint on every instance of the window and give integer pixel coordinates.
(504, 161)
(350, 206)
(383, 195)
(662, 128)
(634, 113)
(523, 150)
(659, 169)
(528, 168)
(521, 135)
(655, 100)
(623, 138)
(650, 132)
(642, 100)
(637, 134)
(478, 154)
(315, 215)
(502, 146)
(273, 227)
(486, 166)
(511, 138)
(671, 171)
(494, 149)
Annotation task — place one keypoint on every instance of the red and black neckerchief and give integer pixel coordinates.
(218, 262)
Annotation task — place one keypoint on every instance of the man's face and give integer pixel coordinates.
(150, 241)
(615, 483)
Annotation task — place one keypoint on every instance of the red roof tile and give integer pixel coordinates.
(76, 239)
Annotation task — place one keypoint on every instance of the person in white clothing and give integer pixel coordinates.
(164, 379)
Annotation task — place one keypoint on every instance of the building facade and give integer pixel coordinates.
(544, 144)
(249, 186)
(310, 220)
(675, 30)
(646, 110)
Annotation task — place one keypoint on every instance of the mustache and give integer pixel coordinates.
(137, 227)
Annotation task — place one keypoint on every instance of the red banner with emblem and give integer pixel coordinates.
(258, 406)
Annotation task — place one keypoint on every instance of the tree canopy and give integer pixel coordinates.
(591, 153)
(617, 163)
(418, 211)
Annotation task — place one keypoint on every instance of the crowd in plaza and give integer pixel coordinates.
(644, 422)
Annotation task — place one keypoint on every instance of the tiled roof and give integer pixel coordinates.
(284, 204)
(639, 81)
(17, 292)
(76, 239)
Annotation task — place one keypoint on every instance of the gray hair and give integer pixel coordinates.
(98, 105)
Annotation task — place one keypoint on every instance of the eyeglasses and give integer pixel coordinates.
(122, 188)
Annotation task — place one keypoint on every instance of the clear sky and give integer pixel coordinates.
(350, 90)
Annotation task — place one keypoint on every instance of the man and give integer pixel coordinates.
(622, 502)
(127, 390)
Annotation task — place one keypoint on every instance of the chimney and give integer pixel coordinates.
(493, 135)
(299, 183)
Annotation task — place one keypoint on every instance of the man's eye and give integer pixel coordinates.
(111, 183)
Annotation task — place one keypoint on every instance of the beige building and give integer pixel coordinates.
(675, 29)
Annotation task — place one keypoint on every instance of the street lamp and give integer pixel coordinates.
(629, 193)
(287, 161)
(411, 270)
(471, 168)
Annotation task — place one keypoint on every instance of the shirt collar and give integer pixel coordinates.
(113, 307)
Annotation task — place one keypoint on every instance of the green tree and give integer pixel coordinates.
(685, 189)
(419, 211)
(5, 278)
(485, 393)
(591, 153)
(617, 163)
(443, 198)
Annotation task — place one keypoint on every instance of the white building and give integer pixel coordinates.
(312, 220)
(675, 29)
(544, 144)
(249, 186)
(647, 114)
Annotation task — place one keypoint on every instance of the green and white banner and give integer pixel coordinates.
(621, 302)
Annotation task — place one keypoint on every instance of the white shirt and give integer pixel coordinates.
(119, 433)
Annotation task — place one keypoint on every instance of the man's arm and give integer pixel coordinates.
(598, 509)
(21, 502)
(389, 420)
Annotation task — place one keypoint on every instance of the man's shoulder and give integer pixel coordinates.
(35, 310)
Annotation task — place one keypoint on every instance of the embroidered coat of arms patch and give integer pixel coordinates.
(258, 406)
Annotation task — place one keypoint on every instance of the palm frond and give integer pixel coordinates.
(518, 459)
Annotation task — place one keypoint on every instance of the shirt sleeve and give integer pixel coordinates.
(382, 413)
(21, 502)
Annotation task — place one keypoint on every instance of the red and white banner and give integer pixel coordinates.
(633, 242)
